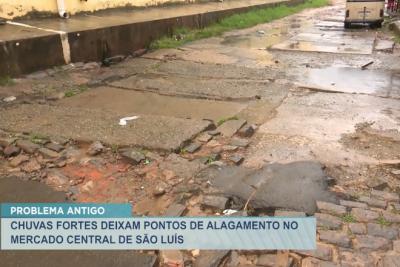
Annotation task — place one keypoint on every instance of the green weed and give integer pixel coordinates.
(6, 81)
(75, 90)
(223, 120)
(382, 221)
(348, 218)
(239, 21)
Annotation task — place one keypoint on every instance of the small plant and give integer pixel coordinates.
(210, 159)
(182, 36)
(348, 218)
(382, 221)
(37, 138)
(114, 149)
(222, 121)
(76, 90)
(6, 81)
(183, 151)
(397, 39)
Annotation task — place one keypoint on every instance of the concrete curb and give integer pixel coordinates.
(22, 56)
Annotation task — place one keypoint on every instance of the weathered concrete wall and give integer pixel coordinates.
(27, 53)
(20, 8)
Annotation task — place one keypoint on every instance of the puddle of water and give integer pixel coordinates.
(257, 40)
(351, 80)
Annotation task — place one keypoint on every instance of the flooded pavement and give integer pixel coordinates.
(279, 119)
(352, 80)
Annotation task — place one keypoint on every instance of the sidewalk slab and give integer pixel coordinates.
(150, 132)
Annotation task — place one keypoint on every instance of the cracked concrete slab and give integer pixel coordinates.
(152, 132)
(219, 89)
(213, 70)
(133, 102)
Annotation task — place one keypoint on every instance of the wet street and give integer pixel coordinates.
(297, 117)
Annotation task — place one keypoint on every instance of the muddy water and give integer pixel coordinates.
(259, 39)
(352, 80)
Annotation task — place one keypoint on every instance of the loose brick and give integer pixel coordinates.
(331, 208)
(336, 238)
(382, 231)
(396, 245)
(385, 195)
(391, 259)
(289, 213)
(363, 215)
(323, 252)
(353, 204)
(374, 202)
(27, 146)
(369, 242)
(391, 217)
(357, 228)
(313, 262)
(328, 221)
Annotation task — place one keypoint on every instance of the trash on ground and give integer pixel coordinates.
(125, 120)
(365, 66)
(9, 99)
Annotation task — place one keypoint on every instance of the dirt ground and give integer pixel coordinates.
(275, 103)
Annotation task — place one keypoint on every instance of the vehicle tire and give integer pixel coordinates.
(347, 25)
(378, 24)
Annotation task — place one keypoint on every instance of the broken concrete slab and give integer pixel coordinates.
(152, 132)
(132, 155)
(55, 147)
(181, 167)
(175, 210)
(210, 258)
(11, 151)
(95, 148)
(47, 153)
(230, 127)
(239, 142)
(384, 46)
(215, 202)
(294, 186)
(27, 146)
(216, 89)
(236, 159)
(193, 147)
(247, 130)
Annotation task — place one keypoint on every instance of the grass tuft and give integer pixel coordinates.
(6, 81)
(76, 90)
(223, 120)
(382, 221)
(348, 218)
(239, 21)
